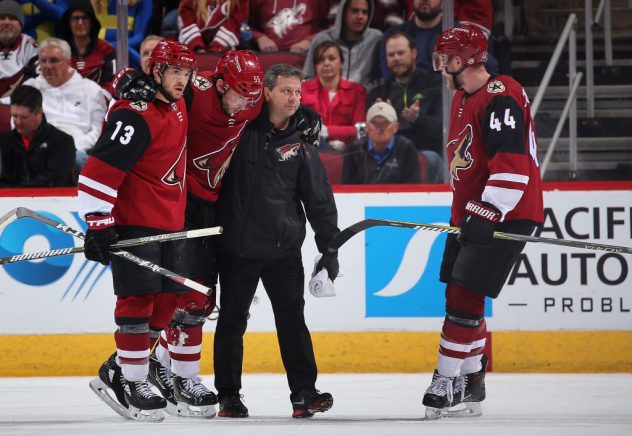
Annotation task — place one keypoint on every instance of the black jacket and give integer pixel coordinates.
(426, 132)
(274, 181)
(401, 164)
(49, 161)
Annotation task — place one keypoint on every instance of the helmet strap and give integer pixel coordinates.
(455, 76)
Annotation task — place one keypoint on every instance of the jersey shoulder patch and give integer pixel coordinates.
(139, 106)
(202, 83)
(495, 87)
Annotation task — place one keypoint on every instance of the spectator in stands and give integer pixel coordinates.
(211, 25)
(139, 20)
(92, 57)
(424, 28)
(18, 59)
(287, 25)
(359, 42)
(71, 103)
(415, 95)
(34, 153)
(146, 47)
(340, 103)
(387, 13)
(382, 156)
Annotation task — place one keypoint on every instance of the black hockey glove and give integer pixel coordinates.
(309, 124)
(329, 261)
(479, 223)
(134, 85)
(100, 235)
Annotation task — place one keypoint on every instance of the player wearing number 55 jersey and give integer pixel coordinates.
(496, 185)
(133, 185)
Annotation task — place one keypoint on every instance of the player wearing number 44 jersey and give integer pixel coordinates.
(133, 185)
(496, 185)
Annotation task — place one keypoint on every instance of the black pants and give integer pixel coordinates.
(283, 280)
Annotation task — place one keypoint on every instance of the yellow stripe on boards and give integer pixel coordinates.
(359, 352)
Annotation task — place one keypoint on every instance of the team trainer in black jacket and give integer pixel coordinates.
(274, 181)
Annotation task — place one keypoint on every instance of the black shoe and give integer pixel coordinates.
(161, 377)
(231, 406)
(192, 392)
(470, 388)
(138, 394)
(306, 402)
(112, 375)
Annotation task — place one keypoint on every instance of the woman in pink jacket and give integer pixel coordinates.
(341, 103)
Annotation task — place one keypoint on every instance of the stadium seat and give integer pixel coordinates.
(5, 118)
(333, 166)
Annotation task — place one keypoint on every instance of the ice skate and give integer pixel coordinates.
(193, 399)
(438, 396)
(310, 401)
(231, 406)
(111, 377)
(144, 404)
(162, 378)
(469, 392)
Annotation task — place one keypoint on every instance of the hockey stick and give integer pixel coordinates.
(199, 233)
(360, 226)
(22, 212)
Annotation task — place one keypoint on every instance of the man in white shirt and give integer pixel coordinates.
(18, 51)
(73, 104)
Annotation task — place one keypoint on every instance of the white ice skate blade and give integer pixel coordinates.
(154, 415)
(184, 410)
(465, 410)
(101, 389)
(432, 413)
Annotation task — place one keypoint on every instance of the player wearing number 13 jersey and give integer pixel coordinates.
(496, 185)
(133, 185)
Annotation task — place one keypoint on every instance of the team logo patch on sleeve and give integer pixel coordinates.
(202, 83)
(495, 87)
(139, 105)
(461, 158)
(288, 151)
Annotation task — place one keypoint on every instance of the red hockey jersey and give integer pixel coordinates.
(492, 151)
(220, 32)
(137, 168)
(213, 136)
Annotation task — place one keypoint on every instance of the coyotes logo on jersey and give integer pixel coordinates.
(172, 176)
(288, 151)
(461, 158)
(286, 19)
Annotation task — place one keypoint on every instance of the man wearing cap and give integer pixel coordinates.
(18, 51)
(382, 156)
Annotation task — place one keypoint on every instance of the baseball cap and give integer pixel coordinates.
(12, 8)
(383, 109)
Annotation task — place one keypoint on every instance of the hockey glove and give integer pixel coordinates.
(100, 235)
(309, 124)
(479, 223)
(134, 85)
(328, 261)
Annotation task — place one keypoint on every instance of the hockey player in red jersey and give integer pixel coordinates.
(133, 185)
(496, 185)
(221, 104)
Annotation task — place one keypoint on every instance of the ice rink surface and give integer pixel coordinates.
(364, 405)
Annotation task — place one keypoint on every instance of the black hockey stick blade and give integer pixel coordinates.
(360, 226)
(23, 212)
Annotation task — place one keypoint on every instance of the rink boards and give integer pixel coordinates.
(562, 310)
